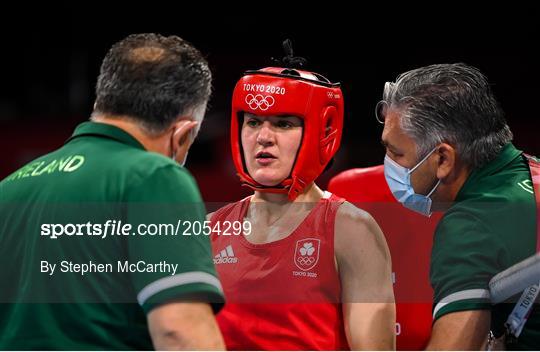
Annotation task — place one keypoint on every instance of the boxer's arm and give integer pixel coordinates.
(364, 265)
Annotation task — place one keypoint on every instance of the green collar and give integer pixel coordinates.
(505, 157)
(107, 131)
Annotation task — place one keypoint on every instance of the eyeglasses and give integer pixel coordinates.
(382, 106)
(380, 111)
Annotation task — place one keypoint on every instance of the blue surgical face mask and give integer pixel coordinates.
(399, 181)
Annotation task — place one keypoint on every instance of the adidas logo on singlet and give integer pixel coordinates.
(226, 256)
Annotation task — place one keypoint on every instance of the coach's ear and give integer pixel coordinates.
(446, 166)
(182, 139)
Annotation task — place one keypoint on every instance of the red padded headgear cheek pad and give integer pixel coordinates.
(322, 135)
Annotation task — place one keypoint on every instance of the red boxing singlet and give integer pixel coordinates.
(282, 295)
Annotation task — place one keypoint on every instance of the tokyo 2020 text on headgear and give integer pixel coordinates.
(281, 91)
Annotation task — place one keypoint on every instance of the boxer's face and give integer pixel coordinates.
(402, 149)
(270, 146)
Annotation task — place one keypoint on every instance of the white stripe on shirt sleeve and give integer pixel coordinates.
(460, 296)
(192, 277)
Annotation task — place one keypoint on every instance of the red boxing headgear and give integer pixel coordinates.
(284, 91)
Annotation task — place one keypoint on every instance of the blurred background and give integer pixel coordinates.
(51, 54)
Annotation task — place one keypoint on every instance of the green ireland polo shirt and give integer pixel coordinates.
(105, 276)
(491, 226)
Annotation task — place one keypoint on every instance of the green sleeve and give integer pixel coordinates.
(169, 198)
(464, 258)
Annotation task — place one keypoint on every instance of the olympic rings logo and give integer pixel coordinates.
(305, 260)
(259, 101)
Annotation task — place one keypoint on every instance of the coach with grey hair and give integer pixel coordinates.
(98, 284)
(448, 148)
